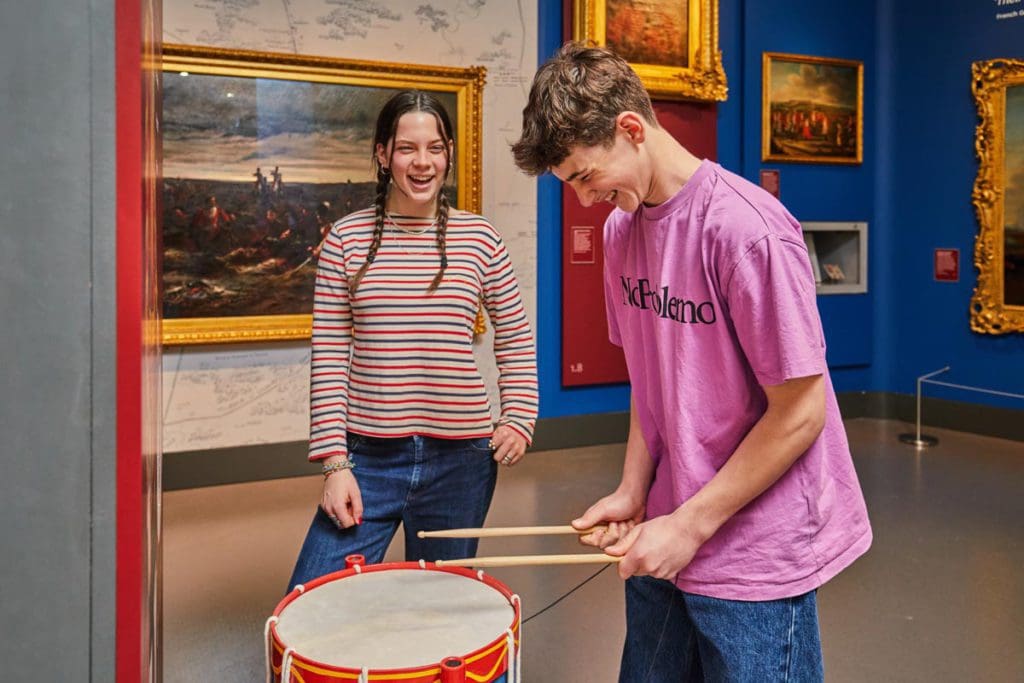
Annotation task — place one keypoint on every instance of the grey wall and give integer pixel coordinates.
(57, 426)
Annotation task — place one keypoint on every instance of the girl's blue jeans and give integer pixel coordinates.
(417, 481)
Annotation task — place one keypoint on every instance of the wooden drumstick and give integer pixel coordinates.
(526, 560)
(496, 532)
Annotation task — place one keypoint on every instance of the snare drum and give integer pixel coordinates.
(400, 622)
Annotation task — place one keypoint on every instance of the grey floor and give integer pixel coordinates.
(939, 597)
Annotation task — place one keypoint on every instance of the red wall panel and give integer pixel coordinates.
(587, 355)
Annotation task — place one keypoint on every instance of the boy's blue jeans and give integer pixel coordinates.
(418, 481)
(672, 636)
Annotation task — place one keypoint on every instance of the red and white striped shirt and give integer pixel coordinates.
(395, 360)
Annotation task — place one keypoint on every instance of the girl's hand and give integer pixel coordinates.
(509, 446)
(341, 499)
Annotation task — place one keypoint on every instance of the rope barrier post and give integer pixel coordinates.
(917, 439)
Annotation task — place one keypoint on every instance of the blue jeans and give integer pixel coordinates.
(672, 636)
(418, 481)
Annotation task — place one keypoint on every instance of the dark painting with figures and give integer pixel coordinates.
(812, 109)
(255, 171)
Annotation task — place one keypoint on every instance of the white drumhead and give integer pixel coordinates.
(393, 619)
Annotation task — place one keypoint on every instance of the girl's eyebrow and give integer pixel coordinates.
(437, 141)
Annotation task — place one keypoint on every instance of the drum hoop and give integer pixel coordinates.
(313, 666)
(333, 670)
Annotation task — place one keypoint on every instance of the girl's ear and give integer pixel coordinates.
(381, 155)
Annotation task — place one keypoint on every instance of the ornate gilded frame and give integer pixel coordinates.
(702, 78)
(990, 314)
(767, 153)
(466, 84)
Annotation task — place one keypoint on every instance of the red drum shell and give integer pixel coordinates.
(485, 664)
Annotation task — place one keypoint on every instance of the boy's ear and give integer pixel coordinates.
(633, 125)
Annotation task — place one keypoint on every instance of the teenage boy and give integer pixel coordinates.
(738, 496)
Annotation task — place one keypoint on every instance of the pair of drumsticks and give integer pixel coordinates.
(518, 560)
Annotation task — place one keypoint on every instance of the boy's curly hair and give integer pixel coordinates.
(574, 101)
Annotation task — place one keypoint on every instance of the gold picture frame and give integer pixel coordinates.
(671, 44)
(238, 253)
(812, 109)
(997, 305)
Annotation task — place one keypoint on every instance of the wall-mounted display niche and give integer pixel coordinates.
(839, 256)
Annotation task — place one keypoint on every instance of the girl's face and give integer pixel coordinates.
(418, 158)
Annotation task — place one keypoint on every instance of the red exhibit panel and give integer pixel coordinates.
(947, 265)
(587, 355)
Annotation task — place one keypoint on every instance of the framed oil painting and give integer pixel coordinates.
(671, 44)
(997, 306)
(261, 153)
(812, 109)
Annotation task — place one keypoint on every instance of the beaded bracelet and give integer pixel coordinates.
(345, 464)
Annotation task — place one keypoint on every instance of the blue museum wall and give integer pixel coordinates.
(813, 192)
(933, 167)
(817, 192)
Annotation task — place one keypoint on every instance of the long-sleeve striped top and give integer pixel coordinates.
(395, 360)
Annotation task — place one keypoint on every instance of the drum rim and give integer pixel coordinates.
(479, 575)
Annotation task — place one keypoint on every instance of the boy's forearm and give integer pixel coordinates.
(638, 468)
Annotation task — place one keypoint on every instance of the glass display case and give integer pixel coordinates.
(839, 256)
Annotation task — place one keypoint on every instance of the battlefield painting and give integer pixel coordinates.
(812, 109)
(233, 249)
(255, 171)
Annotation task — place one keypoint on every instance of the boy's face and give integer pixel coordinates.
(606, 174)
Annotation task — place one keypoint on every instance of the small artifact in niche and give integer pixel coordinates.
(833, 273)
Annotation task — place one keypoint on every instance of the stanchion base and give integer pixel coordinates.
(925, 441)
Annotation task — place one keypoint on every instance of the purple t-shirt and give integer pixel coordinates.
(711, 296)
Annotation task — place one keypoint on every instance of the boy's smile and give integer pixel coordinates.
(604, 174)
